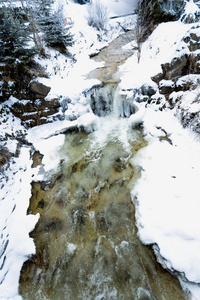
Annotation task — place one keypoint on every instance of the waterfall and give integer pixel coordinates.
(107, 100)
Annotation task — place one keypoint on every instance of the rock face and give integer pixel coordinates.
(180, 78)
(36, 112)
(184, 64)
(31, 107)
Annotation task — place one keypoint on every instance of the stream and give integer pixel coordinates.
(86, 239)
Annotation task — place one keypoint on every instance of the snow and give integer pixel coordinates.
(13, 206)
(166, 195)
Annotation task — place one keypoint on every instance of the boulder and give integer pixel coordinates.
(166, 86)
(38, 90)
(176, 68)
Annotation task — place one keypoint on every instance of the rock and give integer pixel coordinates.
(190, 120)
(166, 86)
(49, 184)
(176, 68)
(5, 156)
(41, 204)
(158, 77)
(20, 76)
(197, 67)
(34, 113)
(119, 164)
(51, 224)
(193, 40)
(147, 90)
(37, 159)
(141, 98)
(38, 90)
(185, 83)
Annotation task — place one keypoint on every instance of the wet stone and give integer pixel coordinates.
(41, 204)
(79, 217)
(101, 221)
(77, 141)
(81, 194)
(37, 159)
(119, 164)
(74, 168)
(46, 185)
(52, 224)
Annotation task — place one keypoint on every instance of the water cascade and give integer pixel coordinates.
(107, 100)
(86, 238)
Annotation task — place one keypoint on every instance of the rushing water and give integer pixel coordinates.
(86, 238)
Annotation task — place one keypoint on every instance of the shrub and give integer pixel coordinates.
(97, 15)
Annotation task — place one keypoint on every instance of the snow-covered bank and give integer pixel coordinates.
(167, 194)
(15, 225)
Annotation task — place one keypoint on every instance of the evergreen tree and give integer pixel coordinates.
(14, 37)
(31, 10)
(56, 34)
(50, 24)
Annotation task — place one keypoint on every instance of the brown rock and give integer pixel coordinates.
(166, 87)
(39, 90)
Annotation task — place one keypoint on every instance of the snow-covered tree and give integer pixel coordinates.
(30, 10)
(56, 35)
(47, 25)
(97, 14)
(14, 37)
